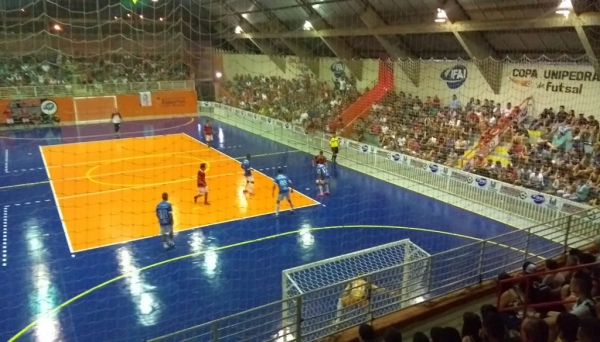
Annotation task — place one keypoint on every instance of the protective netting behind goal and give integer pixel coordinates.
(386, 277)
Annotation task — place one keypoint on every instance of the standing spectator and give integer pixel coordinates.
(366, 333)
(471, 327)
(454, 103)
(534, 329)
(589, 330)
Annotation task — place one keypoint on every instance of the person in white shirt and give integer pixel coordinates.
(401, 141)
(116, 120)
(536, 179)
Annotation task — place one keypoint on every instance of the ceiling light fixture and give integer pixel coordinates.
(441, 16)
(564, 8)
(307, 26)
(238, 30)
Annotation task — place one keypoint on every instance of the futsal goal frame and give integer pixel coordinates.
(103, 118)
(399, 271)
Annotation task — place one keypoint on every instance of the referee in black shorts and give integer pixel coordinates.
(335, 146)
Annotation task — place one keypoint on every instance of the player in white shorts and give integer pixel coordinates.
(202, 186)
(248, 174)
(208, 133)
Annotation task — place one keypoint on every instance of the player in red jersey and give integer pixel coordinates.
(208, 133)
(320, 159)
(202, 186)
(9, 116)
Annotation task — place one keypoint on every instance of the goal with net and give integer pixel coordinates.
(347, 290)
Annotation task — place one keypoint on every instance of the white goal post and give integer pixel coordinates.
(94, 109)
(394, 275)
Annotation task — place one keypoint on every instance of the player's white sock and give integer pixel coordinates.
(277, 209)
(320, 189)
(326, 188)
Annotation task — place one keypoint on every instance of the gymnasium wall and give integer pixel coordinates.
(550, 84)
(164, 103)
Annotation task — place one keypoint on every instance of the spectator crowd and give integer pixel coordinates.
(59, 69)
(565, 301)
(556, 151)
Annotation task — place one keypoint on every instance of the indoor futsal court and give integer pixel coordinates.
(79, 206)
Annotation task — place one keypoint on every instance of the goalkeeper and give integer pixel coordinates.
(358, 292)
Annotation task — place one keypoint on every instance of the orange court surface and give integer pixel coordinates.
(107, 191)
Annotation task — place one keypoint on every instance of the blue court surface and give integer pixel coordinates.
(242, 263)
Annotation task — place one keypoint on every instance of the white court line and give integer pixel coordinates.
(191, 228)
(254, 170)
(141, 186)
(192, 116)
(99, 175)
(6, 170)
(60, 215)
(5, 236)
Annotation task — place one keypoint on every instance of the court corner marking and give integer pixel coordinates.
(61, 306)
(60, 214)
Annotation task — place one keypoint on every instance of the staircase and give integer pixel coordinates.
(360, 108)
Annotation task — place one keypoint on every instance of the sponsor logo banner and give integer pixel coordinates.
(510, 191)
(172, 102)
(459, 176)
(418, 164)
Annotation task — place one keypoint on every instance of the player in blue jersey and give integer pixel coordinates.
(322, 179)
(164, 213)
(248, 174)
(284, 184)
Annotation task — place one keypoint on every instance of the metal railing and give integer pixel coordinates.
(447, 272)
(97, 89)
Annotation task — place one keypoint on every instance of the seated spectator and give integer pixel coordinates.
(534, 329)
(566, 328)
(420, 337)
(471, 327)
(553, 281)
(366, 333)
(450, 334)
(392, 335)
(436, 334)
(589, 330)
(493, 328)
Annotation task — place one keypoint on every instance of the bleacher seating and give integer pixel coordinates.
(553, 152)
(58, 69)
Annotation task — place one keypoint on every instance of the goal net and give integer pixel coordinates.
(344, 291)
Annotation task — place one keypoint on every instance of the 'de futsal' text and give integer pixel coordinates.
(560, 75)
